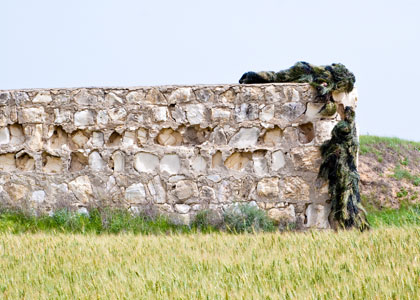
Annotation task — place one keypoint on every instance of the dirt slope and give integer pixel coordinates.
(389, 171)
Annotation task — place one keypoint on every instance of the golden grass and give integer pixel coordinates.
(381, 264)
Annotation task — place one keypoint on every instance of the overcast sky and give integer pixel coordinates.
(53, 43)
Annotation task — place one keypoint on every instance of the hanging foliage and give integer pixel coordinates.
(339, 168)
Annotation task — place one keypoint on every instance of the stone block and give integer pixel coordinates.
(136, 194)
(246, 137)
(268, 187)
(81, 188)
(170, 163)
(146, 162)
(317, 215)
(195, 114)
(32, 115)
(84, 118)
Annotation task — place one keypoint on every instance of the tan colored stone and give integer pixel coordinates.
(7, 162)
(238, 161)
(268, 187)
(81, 188)
(185, 189)
(308, 158)
(169, 137)
(52, 164)
(34, 132)
(295, 188)
(16, 191)
(273, 137)
(32, 115)
(283, 215)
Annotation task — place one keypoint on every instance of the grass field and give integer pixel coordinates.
(112, 255)
(381, 264)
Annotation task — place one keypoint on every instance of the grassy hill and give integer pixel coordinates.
(389, 172)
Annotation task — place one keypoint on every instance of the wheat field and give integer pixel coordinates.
(381, 264)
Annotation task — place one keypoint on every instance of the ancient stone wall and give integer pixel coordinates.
(180, 149)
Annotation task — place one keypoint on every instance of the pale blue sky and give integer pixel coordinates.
(53, 43)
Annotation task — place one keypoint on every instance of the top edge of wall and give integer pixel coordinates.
(224, 85)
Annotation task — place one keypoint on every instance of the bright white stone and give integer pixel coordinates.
(313, 109)
(267, 113)
(221, 114)
(42, 97)
(260, 164)
(4, 136)
(136, 193)
(182, 208)
(170, 163)
(199, 164)
(214, 177)
(146, 162)
(83, 211)
(160, 114)
(323, 130)
(156, 190)
(84, 118)
(96, 162)
(119, 161)
(38, 196)
(347, 99)
(16, 135)
(84, 98)
(97, 139)
(129, 139)
(102, 117)
(195, 113)
(61, 116)
(317, 216)
(277, 161)
(246, 137)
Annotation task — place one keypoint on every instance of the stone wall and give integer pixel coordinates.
(180, 149)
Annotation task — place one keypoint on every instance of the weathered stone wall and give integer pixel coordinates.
(180, 149)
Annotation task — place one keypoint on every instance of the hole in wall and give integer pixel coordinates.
(114, 140)
(58, 138)
(51, 163)
(217, 160)
(169, 137)
(17, 136)
(306, 133)
(25, 162)
(79, 139)
(195, 135)
(273, 136)
(238, 160)
(78, 162)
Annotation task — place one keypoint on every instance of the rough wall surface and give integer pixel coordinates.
(180, 149)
